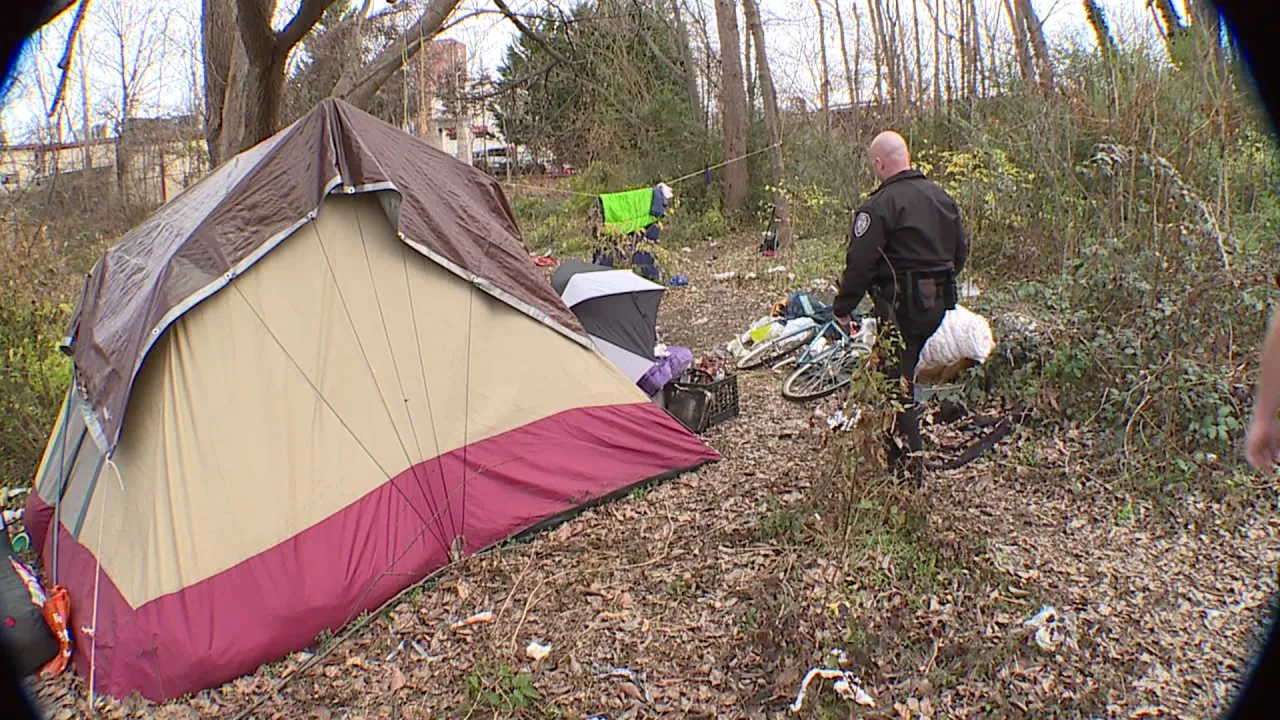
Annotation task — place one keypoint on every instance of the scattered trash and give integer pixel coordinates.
(537, 651)
(1052, 629)
(15, 492)
(635, 679)
(392, 655)
(686, 250)
(846, 685)
(12, 516)
(481, 617)
(776, 269)
(839, 421)
(678, 281)
(421, 651)
(749, 276)
(726, 275)
(545, 261)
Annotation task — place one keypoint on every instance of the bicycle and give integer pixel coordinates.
(774, 349)
(825, 366)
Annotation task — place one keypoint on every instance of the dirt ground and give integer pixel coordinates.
(712, 594)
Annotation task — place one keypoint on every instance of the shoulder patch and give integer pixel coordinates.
(860, 224)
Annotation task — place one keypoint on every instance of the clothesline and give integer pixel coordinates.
(680, 179)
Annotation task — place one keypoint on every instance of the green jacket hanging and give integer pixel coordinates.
(628, 211)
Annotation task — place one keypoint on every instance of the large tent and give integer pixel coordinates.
(307, 382)
(618, 309)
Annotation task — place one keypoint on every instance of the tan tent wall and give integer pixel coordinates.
(257, 414)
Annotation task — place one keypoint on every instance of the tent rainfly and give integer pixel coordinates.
(618, 309)
(307, 382)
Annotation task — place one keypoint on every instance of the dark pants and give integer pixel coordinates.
(916, 326)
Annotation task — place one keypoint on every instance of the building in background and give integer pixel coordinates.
(147, 162)
(446, 119)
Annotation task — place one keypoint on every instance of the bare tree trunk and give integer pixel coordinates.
(975, 44)
(873, 6)
(937, 55)
(750, 74)
(899, 34)
(844, 53)
(781, 207)
(962, 51)
(946, 31)
(1173, 28)
(87, 132)
(244, 62)
(686, 60)
(856, 90)
(1020, 43)
(736, 178)
(915, 18)
(824, 93)
(1098, 21)
(218, 31)
(1035, 32)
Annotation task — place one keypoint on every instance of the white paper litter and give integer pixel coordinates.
(839, 421)
(537, 651)
(846, 685)
(1052, 629)
(777, 269)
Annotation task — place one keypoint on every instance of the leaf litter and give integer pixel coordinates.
(711, 595)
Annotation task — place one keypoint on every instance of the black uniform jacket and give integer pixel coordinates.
(909, 224)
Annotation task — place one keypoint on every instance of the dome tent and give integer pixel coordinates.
(303, 385)
(618, 309)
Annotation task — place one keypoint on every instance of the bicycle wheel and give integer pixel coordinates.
(772, 350)
(826, 373)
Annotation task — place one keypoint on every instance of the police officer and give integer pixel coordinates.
(906, 249)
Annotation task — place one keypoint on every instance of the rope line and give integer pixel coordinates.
(677, 181)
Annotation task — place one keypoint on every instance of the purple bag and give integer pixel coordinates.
(667, 369)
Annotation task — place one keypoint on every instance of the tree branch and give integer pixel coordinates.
(53, 10)
(508, 87)
(254, 22)
(530, 33)
(65, 63)
(361, 91)
(309, 13)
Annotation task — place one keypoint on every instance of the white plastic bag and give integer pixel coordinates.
(963, 335)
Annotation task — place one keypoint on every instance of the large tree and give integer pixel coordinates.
(603, 80)
(733, 95)
(772, 123)
(244, 65)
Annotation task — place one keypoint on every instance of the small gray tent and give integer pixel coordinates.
(617, 308)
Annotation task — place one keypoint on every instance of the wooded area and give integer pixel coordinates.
(1123, 199)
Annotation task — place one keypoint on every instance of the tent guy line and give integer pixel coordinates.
(680, 179)
(395, 365)
(225, 513)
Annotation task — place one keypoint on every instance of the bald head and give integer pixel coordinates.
(889, 155)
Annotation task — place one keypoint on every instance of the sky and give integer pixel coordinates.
(158, 46)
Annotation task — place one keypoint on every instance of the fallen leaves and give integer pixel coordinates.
(712, 594)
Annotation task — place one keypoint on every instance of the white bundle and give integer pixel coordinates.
(963, 335)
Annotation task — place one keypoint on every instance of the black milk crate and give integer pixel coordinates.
(699, 402)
